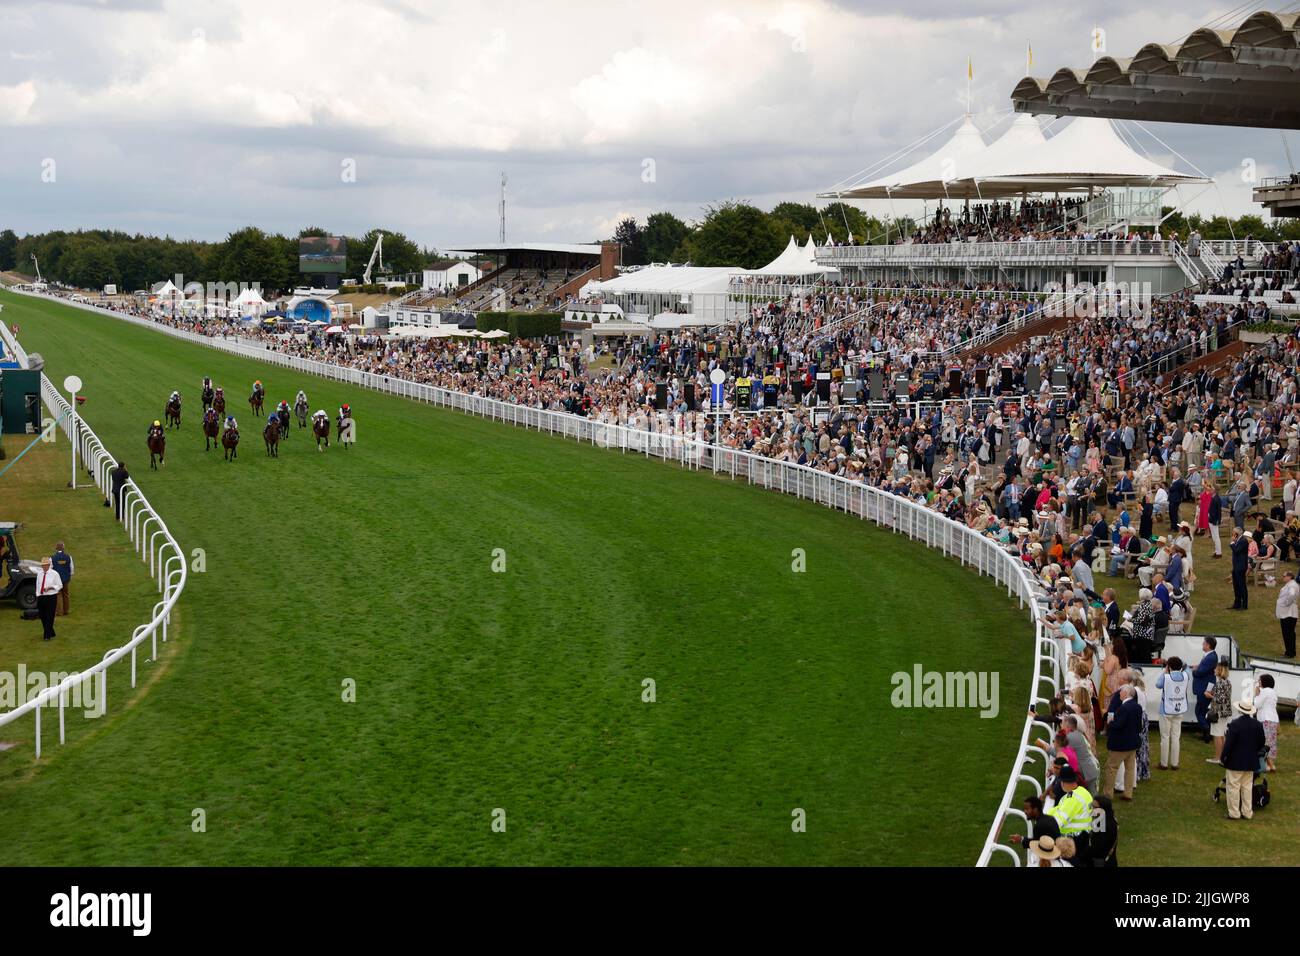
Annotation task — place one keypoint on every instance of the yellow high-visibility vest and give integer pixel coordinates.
(1074, 812)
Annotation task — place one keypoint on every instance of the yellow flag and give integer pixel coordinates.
(970, 69)
(1031, 56)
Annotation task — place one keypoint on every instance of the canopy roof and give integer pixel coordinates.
(250, 297)
(670, 280)
(1243, 76)
(795, 260)
(919, 180)
(1088, 153)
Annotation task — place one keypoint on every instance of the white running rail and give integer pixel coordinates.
(899, 515)
(151, 540)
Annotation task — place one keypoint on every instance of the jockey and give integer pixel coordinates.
(231, 424)
(176, 397)
(283, 407)
(207, 383)
(156, 428)
(320, 413)
(258, 389)
(301, 398)
(273, 420)
(345, 412)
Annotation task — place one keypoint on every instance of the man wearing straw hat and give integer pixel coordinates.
(1241, 746)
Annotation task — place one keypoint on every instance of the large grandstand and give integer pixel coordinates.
(991, 517)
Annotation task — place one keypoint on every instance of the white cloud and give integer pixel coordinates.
(223, 112)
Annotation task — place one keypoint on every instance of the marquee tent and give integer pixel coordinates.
(934, 168)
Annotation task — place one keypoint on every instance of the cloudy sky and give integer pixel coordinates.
(195, 117)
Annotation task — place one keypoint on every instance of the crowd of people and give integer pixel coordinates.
(1119, 472)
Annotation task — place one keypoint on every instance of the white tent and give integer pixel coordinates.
(167, 290)
(1088, 153)
(795, 260)
(250, 297)
(937, 167)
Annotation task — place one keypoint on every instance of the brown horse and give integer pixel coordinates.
(173, 413)
(219, 402)
(255, 403)
(211, 429)
(271, 435)
(157, 448)
(230, 442)
(320, 427)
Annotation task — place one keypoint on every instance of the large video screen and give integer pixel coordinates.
(322, 254)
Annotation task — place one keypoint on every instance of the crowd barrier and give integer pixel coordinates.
(151, 540)
(888, 511)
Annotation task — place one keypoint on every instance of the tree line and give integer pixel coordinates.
(730, 233)
(94, 258)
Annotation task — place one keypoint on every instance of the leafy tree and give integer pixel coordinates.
(735, 234)
(629, 235)
(663, 235)
(8, 250)
(799, 220)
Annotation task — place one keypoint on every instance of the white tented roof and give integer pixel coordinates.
(1087, 152)
(670, 280)
(795, 260)
(250, 297)
(932, 170)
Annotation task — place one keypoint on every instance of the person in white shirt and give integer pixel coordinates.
(48, 586)
(1266, 714)
(1288, 609)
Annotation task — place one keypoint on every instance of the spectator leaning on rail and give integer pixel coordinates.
(62, 562)
(1073, 812)
(118, 478)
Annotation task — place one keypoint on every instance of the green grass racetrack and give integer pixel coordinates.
(519, 690)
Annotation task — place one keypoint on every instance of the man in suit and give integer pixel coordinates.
(1202, 679)
(117, 480)
(1111, 607)
(1177, 495)
(1240, 549)
(1123, 734)
(1242, 743)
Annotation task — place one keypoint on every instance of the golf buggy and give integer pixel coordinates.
(19, 575)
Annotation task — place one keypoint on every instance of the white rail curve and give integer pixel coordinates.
(899, 515)
(152, 541)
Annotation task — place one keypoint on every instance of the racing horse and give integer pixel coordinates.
(320, 427)
(207, 394)
(300, 408)
(173, 412)
(219, 402)
(230, 442)
(282, 413)
(157, 447)
(255, 401)
(271, 435)
(211, 429)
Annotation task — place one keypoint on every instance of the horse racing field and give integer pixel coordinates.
(478, 690)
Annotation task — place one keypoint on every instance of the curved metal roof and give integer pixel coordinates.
(1244, 76)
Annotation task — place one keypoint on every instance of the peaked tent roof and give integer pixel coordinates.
(935, 168)
(795, 260)
(1086, 153)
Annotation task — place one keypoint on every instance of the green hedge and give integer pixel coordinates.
(521, 325)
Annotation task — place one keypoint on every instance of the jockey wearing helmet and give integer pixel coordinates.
(301, 398)
(231, 423)
(176, 396)
(320, 413)
(156, 428)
